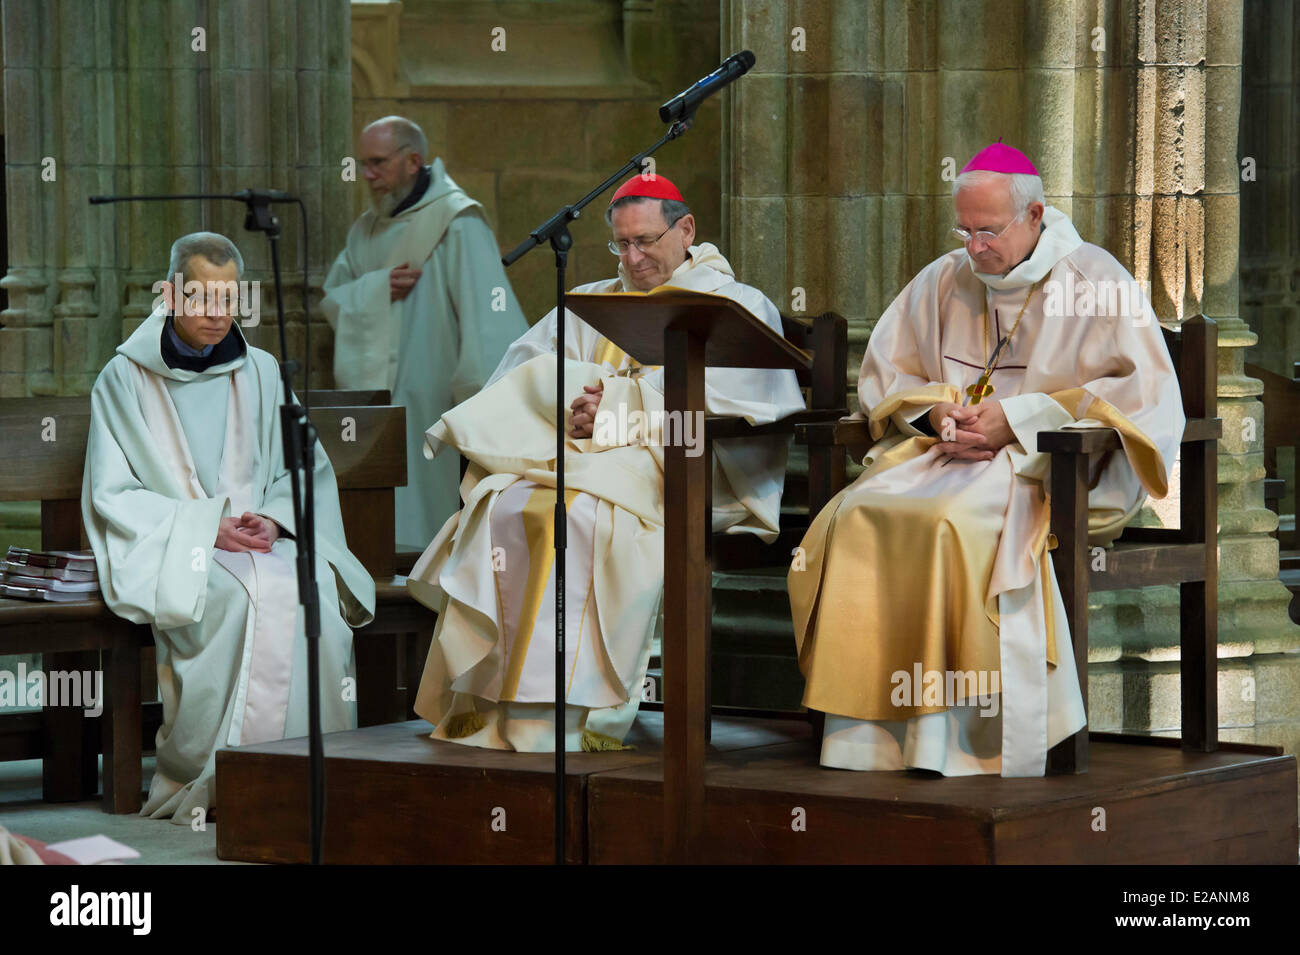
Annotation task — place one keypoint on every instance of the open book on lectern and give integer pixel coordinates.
(734, 337)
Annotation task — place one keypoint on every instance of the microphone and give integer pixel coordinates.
(683, 105)
(264, 195)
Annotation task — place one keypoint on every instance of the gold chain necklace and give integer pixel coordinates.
(982, 389)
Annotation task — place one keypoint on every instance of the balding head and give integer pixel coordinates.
(1006, 209)
(392, 151)
(400, 132)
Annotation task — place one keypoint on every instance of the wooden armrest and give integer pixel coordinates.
(846, 431)
(730, 426)
(1202, 429)
(1072, 441)
(1152, 535)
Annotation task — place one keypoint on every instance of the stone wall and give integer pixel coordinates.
(1270, 199)
(568, 95)
(158, 97)
(154, 97)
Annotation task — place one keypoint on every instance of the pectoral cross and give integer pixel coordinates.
(978, 391)
(982, 389)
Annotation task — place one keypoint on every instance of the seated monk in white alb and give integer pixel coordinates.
(928, 620)
(489, 679)
(188, 508)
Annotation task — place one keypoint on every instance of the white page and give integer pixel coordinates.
(93, 850)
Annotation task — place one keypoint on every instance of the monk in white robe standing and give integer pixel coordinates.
(188, 509)
(420, 305)
(489, 679)
(928, 620)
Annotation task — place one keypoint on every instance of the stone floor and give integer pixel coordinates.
(159, 842)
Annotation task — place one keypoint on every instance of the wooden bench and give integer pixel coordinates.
(388, 670)
(72, 636)
(1140, 557)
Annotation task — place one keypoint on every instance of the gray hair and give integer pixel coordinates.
(1025, 189)
(405, 133)
(672, 209)
(214, 247)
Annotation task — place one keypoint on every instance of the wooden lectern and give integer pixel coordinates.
(685, 332)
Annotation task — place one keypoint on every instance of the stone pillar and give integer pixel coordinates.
(155, 97)
(839, 150)
(159, 96)
(1270, 190)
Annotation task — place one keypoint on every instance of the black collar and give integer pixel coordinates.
(228, 349)
(422, 182)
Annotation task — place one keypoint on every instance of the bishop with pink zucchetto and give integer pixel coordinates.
(930, 628)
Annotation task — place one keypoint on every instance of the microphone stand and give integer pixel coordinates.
(555, 230)
(299, 441)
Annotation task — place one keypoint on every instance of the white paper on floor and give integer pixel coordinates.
(94, 850)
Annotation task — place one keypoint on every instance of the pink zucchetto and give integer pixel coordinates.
(1001, 158)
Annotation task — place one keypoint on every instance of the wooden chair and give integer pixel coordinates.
(1149, 556)
(825, 337)
(1141, 557)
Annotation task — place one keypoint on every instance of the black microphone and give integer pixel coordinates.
(683, 105)
(265, 195)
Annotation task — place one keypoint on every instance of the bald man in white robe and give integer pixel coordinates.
(420, 305)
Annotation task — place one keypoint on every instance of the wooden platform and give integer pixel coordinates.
(395, 796)
(1161, 806)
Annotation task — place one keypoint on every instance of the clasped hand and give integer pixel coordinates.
(248, 532)
(401, 280)
(974, 433)
(584, 411)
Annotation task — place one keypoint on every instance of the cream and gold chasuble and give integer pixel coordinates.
(925, 565)
(489, 678)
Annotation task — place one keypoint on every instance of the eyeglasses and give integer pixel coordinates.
(642, 244)
(214, 302)
(374, 164)
(983, 235)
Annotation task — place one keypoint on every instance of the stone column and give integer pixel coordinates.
(154, 97)
(1270, 245)
(159, 96)
(1270, 189)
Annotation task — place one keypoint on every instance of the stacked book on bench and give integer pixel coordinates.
(60, 575)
